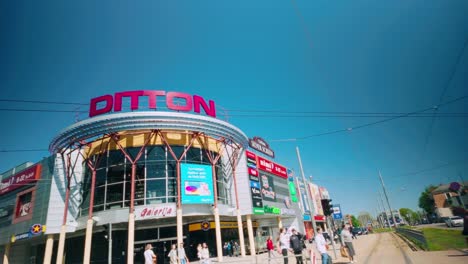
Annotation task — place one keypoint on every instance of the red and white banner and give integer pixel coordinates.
(20, 179)
(271, 167)
(155, 211)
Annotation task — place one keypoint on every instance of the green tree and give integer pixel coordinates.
(408, 215)
(426, 202)
(355, 221)
(364, 218)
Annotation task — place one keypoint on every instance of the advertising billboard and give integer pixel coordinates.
(268, 189)
(196, 184)
(316, 198)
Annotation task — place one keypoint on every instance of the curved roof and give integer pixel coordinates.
(112, 123)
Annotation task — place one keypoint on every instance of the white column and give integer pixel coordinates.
(240, 229)
(131, 237)
(280, 222)
(48, 249)
(251, 235)
(61, 244)
(219, 242)
(6, 254)
(180, 232)
(88, 240)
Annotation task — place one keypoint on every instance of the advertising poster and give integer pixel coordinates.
(196, 184)
(268, 190)
(316, 199)
(256, 194)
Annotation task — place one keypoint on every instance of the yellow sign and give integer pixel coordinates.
(211, 225)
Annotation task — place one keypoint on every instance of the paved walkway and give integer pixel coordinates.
(375, 248)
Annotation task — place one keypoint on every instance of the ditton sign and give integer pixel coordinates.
(107, 103)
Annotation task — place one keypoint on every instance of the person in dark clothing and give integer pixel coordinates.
(296, 245)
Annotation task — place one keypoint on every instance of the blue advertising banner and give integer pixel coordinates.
(337, 212)
(196, 184)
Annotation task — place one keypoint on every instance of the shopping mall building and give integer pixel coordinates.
(145, 167)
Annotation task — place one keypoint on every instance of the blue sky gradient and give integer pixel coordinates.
(355, 56)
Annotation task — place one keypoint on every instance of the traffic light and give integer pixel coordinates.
(327, 207)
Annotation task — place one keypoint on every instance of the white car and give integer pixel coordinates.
(454, 221)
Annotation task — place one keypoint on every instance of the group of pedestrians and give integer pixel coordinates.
(294, 242)
(176, 255)
(203, 253)
(231, 248)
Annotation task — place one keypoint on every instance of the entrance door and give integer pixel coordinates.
(161, 248)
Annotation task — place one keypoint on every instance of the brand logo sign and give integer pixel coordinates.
(259, 144)
(271, 167)
(175, 101)
(155, 211)
(20, 179)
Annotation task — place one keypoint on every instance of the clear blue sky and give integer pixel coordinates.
(344, 56)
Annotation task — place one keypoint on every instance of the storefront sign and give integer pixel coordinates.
(287, 211)
(4, 212)
(253, 172)
(268, 191)
(155, 211)
(271, 210)
(259, 144)
(258, 210)
(175, 101)
(21, 236)
(37, 229)
(197, 184)
(21, 179)
(271, 167)
(205, 225)
(320, 218)
(257, 201)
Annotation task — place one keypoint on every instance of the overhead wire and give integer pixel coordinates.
(441, 97)
(371, 123)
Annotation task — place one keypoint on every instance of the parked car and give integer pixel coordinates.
(454, 221)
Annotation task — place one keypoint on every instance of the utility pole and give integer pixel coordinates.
(309, 195)
(388, 201)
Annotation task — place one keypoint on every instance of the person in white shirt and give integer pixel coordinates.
(322, 245)
(181, 253)
(150, 257)
(284, 244)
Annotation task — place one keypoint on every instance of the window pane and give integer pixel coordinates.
(156, 153)
(115, 174)
(156, 188)
(116, 157)
(167, 232)
(139, 190)
(114, 193)
(156, 170)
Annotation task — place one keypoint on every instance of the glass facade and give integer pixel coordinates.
(155, 179)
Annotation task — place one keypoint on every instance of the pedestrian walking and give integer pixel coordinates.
(347, 239)
(150, 257)
(270, 248)
(205, 255)
(199, 249)
(181, 254)
(284, 244)
(173, 255)
(296, 245)
(322, 246)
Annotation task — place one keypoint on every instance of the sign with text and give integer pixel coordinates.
(175, 101)
(271, 167)
(262, 146)
(337, 215)
(20, 179)
(196, 184)
(155, 211)
(268, 189)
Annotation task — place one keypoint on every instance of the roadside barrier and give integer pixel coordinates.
(413, 235)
